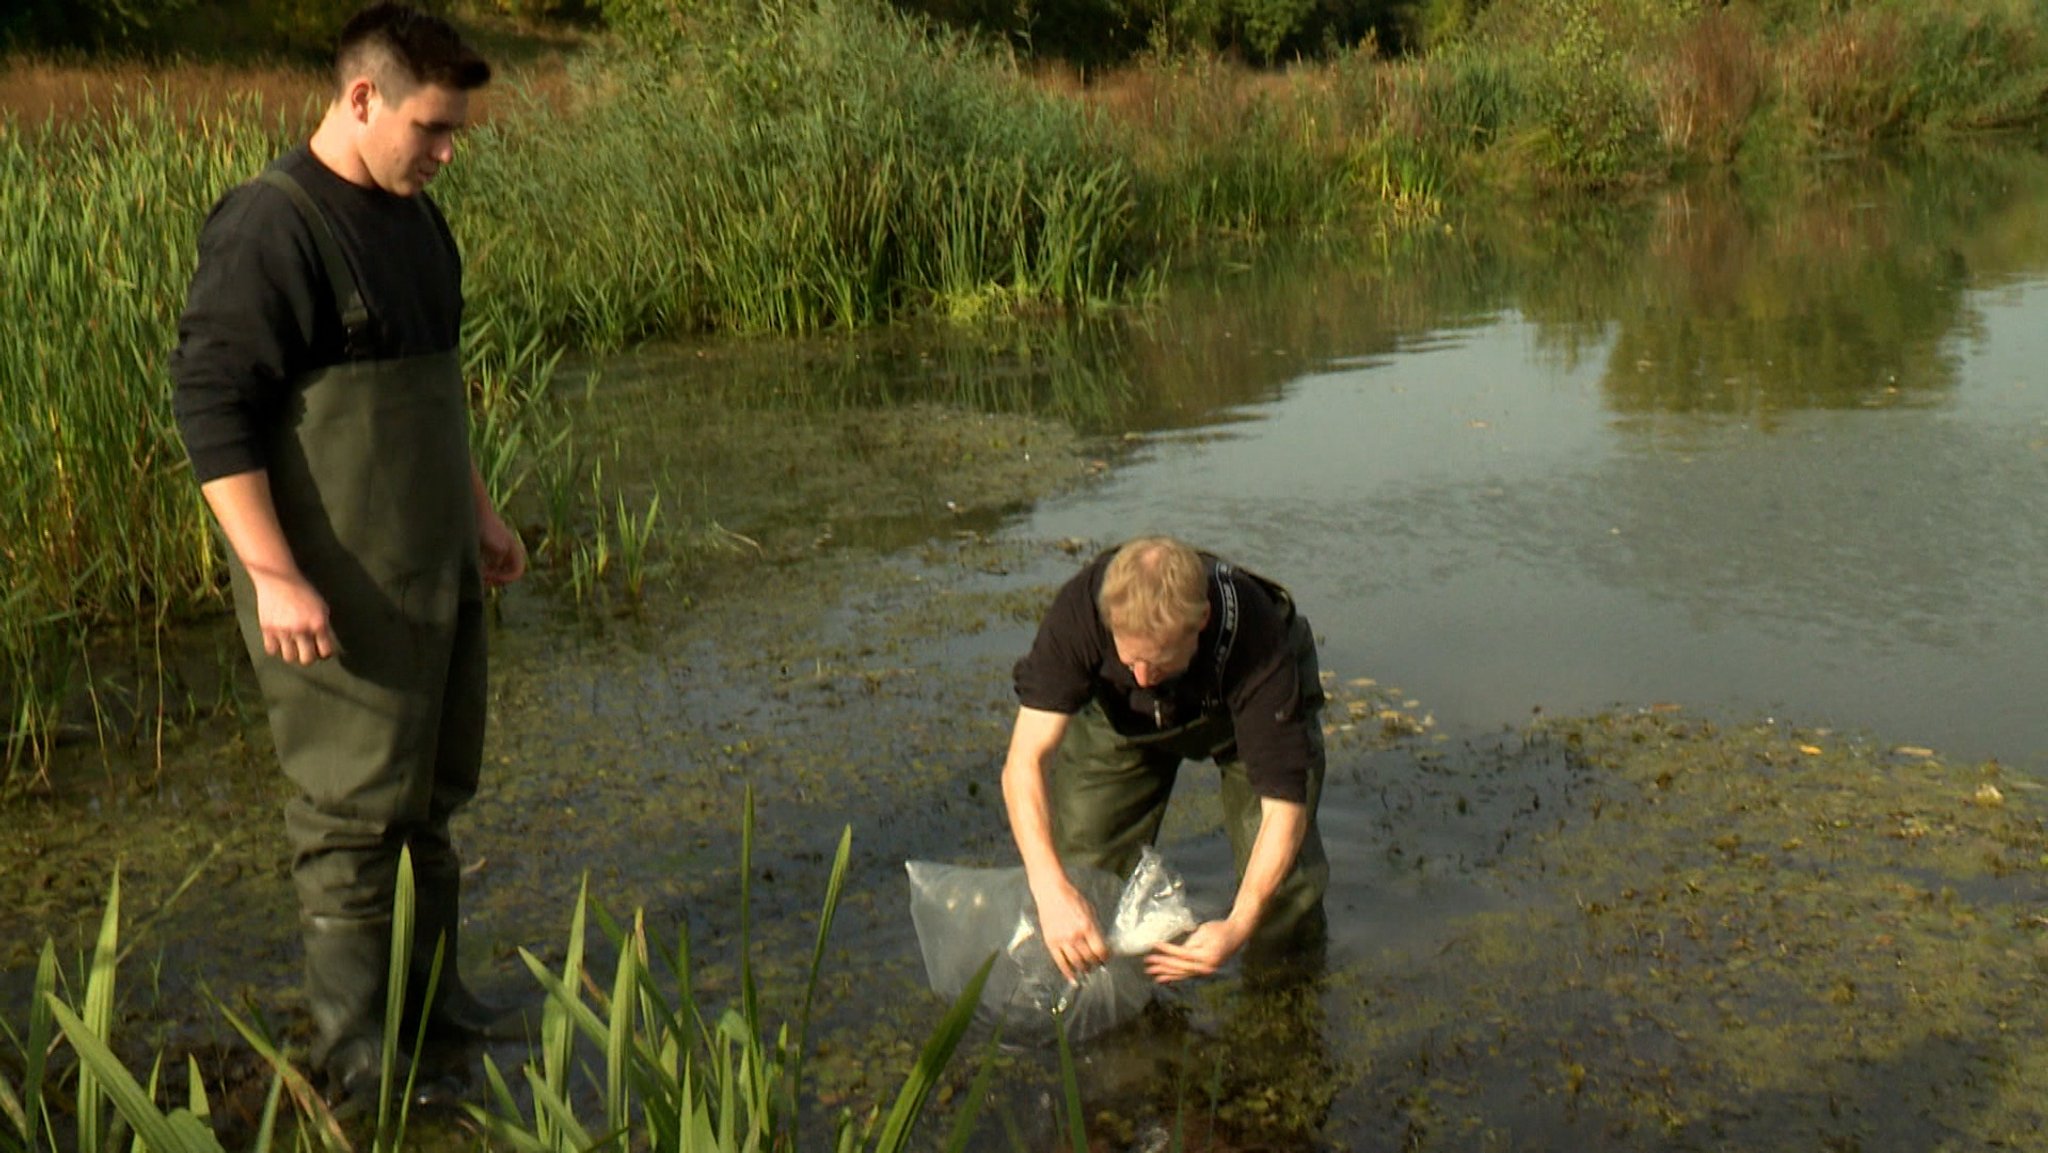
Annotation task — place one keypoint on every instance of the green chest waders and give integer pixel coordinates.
(369, 468)
(1108, 796)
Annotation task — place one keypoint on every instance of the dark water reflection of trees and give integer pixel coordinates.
(1843, 287)
(1839, 295)
(1841, 291)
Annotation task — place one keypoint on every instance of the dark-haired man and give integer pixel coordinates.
(1154, 654)
(320, 397)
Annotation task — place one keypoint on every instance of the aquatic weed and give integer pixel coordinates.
(673, 1076)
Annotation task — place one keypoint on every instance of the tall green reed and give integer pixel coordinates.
(1220, 159)
(99, 522)
(668, 1071)
(806, 164)
(665, 1072)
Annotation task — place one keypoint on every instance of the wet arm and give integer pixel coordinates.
(1283, 825)
(1071, 934)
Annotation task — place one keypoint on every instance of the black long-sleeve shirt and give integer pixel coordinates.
(1258, 686)
(261, 312)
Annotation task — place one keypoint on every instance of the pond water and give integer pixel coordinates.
(1754, 453)
(1733, 452)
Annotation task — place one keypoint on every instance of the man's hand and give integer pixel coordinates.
(502, 553)
(1282, 825)
(290, 612)
(1064, 916)
(1071, 934)
(293, 617)
(1202, 953)
(499, 549)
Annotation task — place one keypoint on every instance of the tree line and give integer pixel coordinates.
(1087, 33)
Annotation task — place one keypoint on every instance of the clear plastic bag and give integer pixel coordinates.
(963, 914)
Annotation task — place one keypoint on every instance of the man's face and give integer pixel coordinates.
(404, 143)
(1156, 660)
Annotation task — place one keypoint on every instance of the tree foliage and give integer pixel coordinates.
(84, 24)
(203, 27)
(1096, 32)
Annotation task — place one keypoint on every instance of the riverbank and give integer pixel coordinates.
(1650, 929)
(831, 166)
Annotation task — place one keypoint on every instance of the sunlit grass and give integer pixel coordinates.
(829, 165)
(913, 181)
(100, 522)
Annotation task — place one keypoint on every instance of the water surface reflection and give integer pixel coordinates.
(1752, 453)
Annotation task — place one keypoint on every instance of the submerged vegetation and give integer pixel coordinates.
(1723, 936)
(1730, 935)
(1647, 931)
(798, 166)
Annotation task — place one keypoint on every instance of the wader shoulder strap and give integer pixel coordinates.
(1230, 616)
(355, 315)
(1227, 619)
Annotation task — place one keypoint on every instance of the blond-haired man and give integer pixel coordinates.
(1154, 654)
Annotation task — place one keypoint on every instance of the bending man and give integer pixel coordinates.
(1152, 655)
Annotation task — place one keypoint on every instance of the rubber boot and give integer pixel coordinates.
(456, 1014)
(347, 962)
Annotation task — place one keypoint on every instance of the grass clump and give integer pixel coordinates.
(804, 165)
(98, 521)
(637, 1063)
(797, 168)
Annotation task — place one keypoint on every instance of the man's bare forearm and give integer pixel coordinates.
(1025, 795)
(1283, 825)
(247, 515)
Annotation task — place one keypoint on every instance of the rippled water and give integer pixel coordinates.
(1755, 455)
(1750, 451)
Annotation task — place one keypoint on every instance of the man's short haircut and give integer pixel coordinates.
(402, 48)
(1155, 587)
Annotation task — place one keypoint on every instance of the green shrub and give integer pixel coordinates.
(1974, 66)
(34, 25)
(1594, 113)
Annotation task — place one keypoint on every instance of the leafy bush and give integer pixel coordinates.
(1108, 32)
(1593, 113)
(48, 24)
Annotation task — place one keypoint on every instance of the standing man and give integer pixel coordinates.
(319, 393)
(1154, 654)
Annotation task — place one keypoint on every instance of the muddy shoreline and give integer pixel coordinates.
(1641, 931)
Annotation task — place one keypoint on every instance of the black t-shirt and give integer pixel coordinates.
(1257, 688)
(261, 312)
